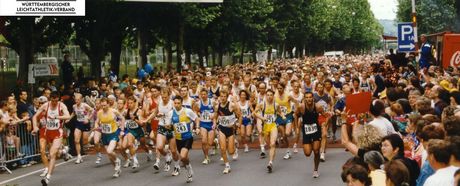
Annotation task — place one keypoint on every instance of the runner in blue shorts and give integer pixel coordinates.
(82, 126)
(246, 113)
(205, 108)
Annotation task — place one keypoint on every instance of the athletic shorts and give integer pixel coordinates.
(280, 121)
(247, 121)
(310, 138)
(124, 131)
(227, 131)
(323, 119)
(106, 138)
(82, 127)
(268, 128)
(184, 144)
(169, 133)
(154, 125)
(51, 135)
(207, 126)
(138, 133)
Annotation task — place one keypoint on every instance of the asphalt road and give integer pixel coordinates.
(247, 170)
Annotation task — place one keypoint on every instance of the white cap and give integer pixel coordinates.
(111, 96)
(42, 99)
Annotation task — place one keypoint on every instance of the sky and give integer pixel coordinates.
(384, 9)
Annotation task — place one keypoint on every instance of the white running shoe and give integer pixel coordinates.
(117, 163)
(150, 156)
(156, 166)
(227, 170)
(295, 150)
(176, 171)
(322, 157)
(315, 174)
(45, 181)
(189, 173)
(213, 151)
(117, 173)
(79, 160)
(135, 164)
(206, 161)
(235, 155)
(246, 148)
(270, 167)
(98, 160)
(44, 173)
(262, 154)
(127, 163)
(287, 156)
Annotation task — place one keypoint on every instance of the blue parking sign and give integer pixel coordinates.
(406, 41)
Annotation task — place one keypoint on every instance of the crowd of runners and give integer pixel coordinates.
(410, 136)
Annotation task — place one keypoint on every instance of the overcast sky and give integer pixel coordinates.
(384, 9)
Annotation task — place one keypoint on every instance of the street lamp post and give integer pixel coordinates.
(414, 24)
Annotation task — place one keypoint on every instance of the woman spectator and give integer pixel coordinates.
(377, 110)
(356, 175)
(375, 161)
(367, 138)
(393, 149)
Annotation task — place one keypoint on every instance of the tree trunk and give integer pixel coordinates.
(254, 56)
(169, 55)
(213, 56)
(142, 46)
(200, 57)
(269, 53)
(242, 53)
(206, 56)
(180, 45)
(115, 52)
(188, 57)
(220, 58)
(26, 50)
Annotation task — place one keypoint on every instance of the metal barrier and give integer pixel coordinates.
(18, 146)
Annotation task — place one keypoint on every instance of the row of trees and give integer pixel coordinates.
(234, 27)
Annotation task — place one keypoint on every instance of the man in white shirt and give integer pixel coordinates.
(439, 153)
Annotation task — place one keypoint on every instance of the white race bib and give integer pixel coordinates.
(245, 112)
(206, 116)
(181, 127)
(52, 124)
(270, 118)
(310, 128)
(80, 116)
(106, 128)
(283, 110)
(132, 124)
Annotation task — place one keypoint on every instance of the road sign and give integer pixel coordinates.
(406, 41)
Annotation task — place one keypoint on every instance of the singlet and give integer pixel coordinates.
(53, 124)
(308, 88)
(245, 112)
(226, 117)
(187, 103)
(213, 93)
(206, 112)
(108, 122)
(298, 99)
(181, 123)
(80, 112)
(323, 100)
(309, 121)
(260, 99)
(284, 104)
(164, 109)
(130, 123)
(270, 114)
(365, 85)
(193, 95)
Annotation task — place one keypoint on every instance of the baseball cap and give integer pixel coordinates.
(42, 99)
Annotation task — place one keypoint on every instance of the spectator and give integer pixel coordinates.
(377, 110)
(397, 173)
(375, 161)
(439, 154)
(426, 53)
(67, 71)
(357, 175)
(427, 133)
(23, 105)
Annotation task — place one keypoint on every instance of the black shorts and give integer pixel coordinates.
(169, 133)
(184, 144)
(228, 131)
(310, 138)
(82, 127)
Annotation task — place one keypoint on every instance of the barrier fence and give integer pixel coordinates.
(18, 147)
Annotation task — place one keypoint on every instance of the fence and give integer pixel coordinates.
(18, 146)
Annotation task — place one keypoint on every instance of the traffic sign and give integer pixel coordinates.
(406, 41)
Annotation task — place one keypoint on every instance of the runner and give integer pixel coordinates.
(260, 99)
(267, 113)
(297, 95)
(205, 108)
(309, 112)
(246, 112)
(97, 135)
(135, 130)
(227, 115)
(323, 98)
(82, 127)
(54, 112)
(107, 120)
(284, 101)
(182, 120)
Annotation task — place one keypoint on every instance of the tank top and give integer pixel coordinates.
(365, 85)
(213, 93)
(245, 112)
(53, 124)
(164, 109)
(284, 104)
(193, 95)
(80, 112)
(130, 123)
(108, 122)
(187, 103)
(269, 113)
(226, 117)
(181, 123)
(310, 121)
(206, 112)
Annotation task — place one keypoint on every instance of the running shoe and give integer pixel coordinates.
(213, 151)
(117, 173)
(235, 155)
(167, 166)
(189, 173)
(44, 173)
(45, 181)
(262, 154)
(79, 160)
(227, 170)
(127, 163)
(315, 174)
(246, 148)
(156, 166)
(150, 156)
(322, 157)
(295, 150)
(135, 164)
(176, 171)
(287, 156)
(206, 161)
(270, 167)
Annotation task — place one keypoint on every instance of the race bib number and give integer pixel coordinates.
(283, 110)
(52, 125)
(245, 112)
(271, 118)
(106, 128)
(132, 124)
(224, 121)
(206, 116)
(80, 117)
(181, 127)
(310, 128)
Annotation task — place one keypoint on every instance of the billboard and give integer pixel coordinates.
(451, 50)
